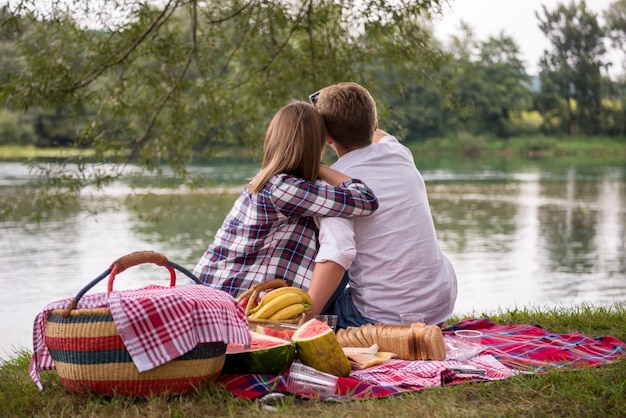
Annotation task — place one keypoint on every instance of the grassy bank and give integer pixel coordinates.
(17, 152)
(526, 146)
(462, 144)
(590, 392)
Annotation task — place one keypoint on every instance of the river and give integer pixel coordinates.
(520, 233)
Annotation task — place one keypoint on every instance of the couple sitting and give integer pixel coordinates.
(362, 241)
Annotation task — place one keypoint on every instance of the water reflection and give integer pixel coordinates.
(524, 236)
(552, 238)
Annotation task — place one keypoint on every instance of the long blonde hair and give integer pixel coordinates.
(294, 142)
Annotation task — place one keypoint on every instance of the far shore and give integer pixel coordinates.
(468, 146)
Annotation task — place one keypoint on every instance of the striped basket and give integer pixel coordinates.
(89, 354)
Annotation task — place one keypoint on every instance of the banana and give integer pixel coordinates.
(276, 305)
(245, 295)
(276, 293)
(305, 296)
(253, 292)
(290, 312)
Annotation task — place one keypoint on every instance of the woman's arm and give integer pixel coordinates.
(293, 196)
(332, 176)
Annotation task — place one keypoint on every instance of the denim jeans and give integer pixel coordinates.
(340, 304)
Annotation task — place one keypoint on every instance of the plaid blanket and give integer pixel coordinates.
(156, 323)
(507, 350)
(532, 348)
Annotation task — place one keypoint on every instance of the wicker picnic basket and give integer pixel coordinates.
(90, 356)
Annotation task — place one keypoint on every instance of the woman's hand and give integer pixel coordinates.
(378, 135)
(331, 176)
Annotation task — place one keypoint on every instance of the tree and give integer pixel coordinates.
(160, 79)
(12, 130)
(502, 90)
(615, 18)
(490, 84)
(572, 68)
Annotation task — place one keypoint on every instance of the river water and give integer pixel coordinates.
(527, 234)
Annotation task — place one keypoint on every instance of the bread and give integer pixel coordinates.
(409, 342)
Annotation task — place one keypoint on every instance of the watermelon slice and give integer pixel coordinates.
(284, 333)
(318, 347)
(266, 355)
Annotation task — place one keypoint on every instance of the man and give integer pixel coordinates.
(391, 259)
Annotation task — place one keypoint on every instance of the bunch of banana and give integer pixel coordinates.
(284, 303)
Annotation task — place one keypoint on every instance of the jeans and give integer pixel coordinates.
(340, 304)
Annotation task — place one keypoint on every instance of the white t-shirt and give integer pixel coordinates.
(392, 256)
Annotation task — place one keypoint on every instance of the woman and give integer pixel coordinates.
(270, 232)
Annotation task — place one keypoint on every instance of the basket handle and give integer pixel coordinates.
(133, 259)
(137, 258)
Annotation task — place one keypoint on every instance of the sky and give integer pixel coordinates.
(516, 18)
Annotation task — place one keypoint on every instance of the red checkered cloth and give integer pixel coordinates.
(390, 378)
(534, 349)
(157, 324)
(426, 374)
(507, 350)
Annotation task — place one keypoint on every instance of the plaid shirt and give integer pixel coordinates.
(272, 234)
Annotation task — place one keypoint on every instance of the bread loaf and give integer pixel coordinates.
(409, 342)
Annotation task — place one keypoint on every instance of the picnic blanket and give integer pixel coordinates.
(156, 323)
(507, 350)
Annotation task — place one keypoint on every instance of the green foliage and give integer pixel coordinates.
(484, 88)
(615, 17)
(570, 72)
(161, 82)
(13, 130)
(493, 83)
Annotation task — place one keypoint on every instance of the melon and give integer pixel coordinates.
(266, 355)
(318, 347)
(285, 333)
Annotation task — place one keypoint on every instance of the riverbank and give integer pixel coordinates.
(17, 152)
(463, 144)
(529, 146)
(594, 391)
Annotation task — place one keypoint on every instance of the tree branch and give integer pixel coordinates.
(231, 16)
(156, 24)
(296, 24)
(145, 138)
(238, 46)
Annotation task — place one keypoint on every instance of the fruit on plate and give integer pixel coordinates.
(318, 347)
(266, 355)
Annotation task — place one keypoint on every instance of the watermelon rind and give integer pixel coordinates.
(267, 360)
(318, 347)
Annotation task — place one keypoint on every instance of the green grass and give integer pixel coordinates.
(17, 152)
(589, 392)
(522, 146)
(460, 144)
(24, 152)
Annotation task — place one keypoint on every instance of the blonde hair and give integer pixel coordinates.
(294, 142)
(349, 112)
